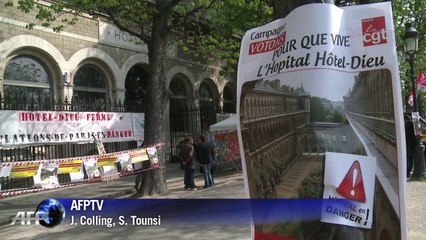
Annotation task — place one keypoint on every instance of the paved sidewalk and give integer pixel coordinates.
(416, 210)
(122, 188)
(228, 184)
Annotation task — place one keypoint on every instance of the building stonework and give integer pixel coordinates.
(273, 117)
(94, 61)
(84, 35)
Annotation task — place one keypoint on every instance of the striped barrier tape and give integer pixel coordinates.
(98, 179)
(84, 158)
(33, 190)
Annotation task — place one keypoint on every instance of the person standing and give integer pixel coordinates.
(410, 141)
(187, 159)
(205, 157)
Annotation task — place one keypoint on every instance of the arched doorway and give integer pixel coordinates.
(179, 100)
(183, 118)
(208, 105)
(135, 89)
(229, 105)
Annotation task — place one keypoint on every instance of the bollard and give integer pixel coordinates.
(419, 163)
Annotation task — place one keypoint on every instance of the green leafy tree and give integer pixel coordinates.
(405, 11)
(318, 112)
(338, 117)
(211, 28)
(410, 11)
(220, 42)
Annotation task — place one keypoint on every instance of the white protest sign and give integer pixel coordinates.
(349, 177)
(5, 171)
(125, 162)
(92, 168)
(49, 175)
(297, 76)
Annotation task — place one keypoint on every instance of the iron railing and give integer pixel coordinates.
(189, 123)
(61, 150)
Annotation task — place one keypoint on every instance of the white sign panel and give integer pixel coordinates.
(49, 175)
(325, 79)
(5, 171)
(44, 127)
(111, 35)
(92, 168)
(349, 188)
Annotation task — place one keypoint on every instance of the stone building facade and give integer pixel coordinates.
(370, 106)
(370, 102)
(273, 118)
(93, 61)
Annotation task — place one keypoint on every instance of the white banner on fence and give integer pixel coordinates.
(44, 127)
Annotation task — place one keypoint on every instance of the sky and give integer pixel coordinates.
(332, 85)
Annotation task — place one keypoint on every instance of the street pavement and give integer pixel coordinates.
(416, 210)
(229, 184)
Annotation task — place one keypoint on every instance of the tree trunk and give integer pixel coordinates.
(157, 99)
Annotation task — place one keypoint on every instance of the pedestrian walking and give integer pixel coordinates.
(205, 157)
(410, 142)
(188, 163)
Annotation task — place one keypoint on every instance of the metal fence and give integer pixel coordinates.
(189, 123)
(56, 151)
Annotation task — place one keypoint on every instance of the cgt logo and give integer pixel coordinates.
(374, 31)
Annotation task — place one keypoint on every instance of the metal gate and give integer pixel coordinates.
(53, 151)
(188, 123)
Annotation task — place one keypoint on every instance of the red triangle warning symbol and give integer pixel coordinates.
(352, 185)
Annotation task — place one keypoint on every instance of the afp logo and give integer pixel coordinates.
(49, 213)
(374, 31)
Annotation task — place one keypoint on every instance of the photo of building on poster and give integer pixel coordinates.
(322, 119)
(287, 131)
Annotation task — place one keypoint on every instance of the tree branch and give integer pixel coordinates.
(123, 27)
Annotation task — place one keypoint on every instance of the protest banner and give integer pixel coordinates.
(24, 128)
(139, 159)
(107, 160)
(421, 82)
(324, 80)
(70, 166)
(23, 171)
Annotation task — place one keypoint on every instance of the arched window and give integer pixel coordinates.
(90, 85)
(27, 81)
